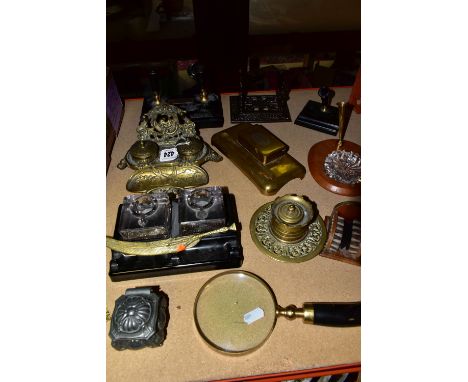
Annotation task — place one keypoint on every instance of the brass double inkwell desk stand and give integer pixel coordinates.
(168, 153)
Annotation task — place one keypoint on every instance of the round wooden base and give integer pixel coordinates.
(316, 159)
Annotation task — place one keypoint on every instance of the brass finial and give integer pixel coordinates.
(157, 99)
(203, 96)
(292, 311)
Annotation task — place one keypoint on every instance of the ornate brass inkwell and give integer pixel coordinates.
(168, 151)
(288, 229)
(335, 164)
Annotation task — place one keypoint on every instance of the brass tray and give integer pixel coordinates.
(165, 175)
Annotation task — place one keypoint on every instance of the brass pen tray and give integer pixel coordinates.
(260, 155)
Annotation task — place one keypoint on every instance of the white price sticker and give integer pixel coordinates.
(168, 155)
(253, 315)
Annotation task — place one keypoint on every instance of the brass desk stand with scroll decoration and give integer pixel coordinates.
(335, 164)
(168, 152)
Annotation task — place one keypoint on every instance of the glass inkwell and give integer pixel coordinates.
(201, 210)
(145, 216)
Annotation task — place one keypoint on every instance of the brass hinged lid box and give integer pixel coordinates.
(260, 155)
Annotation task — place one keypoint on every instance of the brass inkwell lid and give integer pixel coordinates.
(143, 153)
(190, 150)
(288, 229)
(144, 150)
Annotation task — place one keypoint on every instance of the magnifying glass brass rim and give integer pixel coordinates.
(219, 312)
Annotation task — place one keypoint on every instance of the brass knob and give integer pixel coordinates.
(292, 311)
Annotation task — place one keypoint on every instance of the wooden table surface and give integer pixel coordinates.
(293, 345)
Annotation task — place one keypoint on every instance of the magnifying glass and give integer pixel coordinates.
(235, 312)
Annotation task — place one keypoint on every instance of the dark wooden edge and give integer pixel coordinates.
(306, 373)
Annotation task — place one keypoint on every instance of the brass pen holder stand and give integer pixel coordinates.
(335, 164)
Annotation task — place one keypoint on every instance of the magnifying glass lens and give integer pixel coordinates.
(235, 312)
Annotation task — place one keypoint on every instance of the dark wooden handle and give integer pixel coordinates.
(337, 314)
